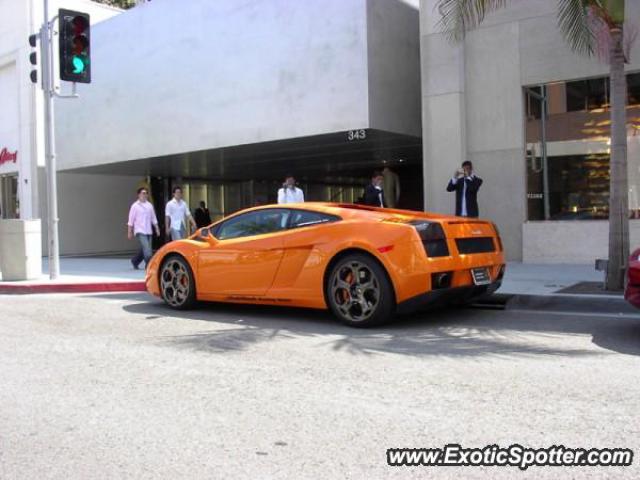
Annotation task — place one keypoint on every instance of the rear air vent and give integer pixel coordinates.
(475, 245)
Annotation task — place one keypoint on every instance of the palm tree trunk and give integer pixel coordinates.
(618, 190)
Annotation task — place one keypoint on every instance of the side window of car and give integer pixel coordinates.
(253, 223)
(304, 218)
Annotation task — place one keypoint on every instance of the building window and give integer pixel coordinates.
(633, 88)
(534, 106)
(573, 141)
(576, 96)
(597, 93)
(578, 188)
(587, 94)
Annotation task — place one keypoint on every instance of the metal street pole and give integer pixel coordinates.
(48, 76)
(542, 96)
(545, 159)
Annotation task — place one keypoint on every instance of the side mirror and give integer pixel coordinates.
(204, 234)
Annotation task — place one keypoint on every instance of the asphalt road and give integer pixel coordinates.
(118, 386)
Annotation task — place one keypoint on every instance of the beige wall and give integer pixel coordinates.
(579, 242)
(93, 211)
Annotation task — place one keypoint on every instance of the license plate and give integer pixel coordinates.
(480, 276)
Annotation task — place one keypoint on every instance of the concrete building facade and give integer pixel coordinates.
(225, 98)
(474, 107)
(21, 104)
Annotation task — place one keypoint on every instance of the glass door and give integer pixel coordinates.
(9, 203)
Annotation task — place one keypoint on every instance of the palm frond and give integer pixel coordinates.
(575, 24)
(459, 16)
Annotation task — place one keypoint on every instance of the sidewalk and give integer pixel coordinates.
(529, 286)
(83, 275)
(540, 279)
(537, 287)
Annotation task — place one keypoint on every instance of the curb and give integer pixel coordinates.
(95, 287)
(564, 303)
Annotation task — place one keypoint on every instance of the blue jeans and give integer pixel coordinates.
(145, 252)
(178, 234)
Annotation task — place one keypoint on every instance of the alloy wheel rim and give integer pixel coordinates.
(355, 291)
(175, 283)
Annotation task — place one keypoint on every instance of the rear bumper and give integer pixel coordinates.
(446, 296)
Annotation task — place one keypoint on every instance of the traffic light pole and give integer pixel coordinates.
(46, 42)
(49, 89)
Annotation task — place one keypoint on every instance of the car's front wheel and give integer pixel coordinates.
(359, 292)
(177, 284)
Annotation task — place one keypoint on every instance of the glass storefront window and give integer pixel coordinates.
(578, 188)
(573, 141)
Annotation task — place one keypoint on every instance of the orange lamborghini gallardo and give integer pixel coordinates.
(363, 263)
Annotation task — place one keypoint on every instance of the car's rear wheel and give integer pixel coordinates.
(177, 284)
(359, 292)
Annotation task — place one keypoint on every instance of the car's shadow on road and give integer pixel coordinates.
(449, 332)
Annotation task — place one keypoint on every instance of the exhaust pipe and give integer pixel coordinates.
(441, 280)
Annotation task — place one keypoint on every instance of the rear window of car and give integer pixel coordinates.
(305, 218)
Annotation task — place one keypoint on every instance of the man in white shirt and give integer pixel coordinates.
(176, 215)
(289, 193)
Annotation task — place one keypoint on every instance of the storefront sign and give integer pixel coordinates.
(6, 156)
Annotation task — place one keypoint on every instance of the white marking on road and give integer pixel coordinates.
(580, 314)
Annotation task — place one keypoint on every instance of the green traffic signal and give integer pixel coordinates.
(79, 64)
(74, 46)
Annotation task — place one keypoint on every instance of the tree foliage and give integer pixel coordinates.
(118, 3)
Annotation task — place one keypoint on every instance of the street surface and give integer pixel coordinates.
(112, 386)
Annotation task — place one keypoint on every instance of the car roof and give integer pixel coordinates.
(354, 211)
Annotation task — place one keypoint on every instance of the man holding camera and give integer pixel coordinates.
(466, 185)
(289, 193)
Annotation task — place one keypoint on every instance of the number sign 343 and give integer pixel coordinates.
(356, 135)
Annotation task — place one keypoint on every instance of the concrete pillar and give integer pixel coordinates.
(443, 111)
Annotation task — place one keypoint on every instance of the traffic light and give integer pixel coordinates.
(33, 57)
(75, 46)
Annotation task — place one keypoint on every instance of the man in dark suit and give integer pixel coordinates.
(373, 193)
(466, 185)
(202, 216)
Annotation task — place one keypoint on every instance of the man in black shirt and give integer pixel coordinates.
(373, 193)
(466, 185)
(202, 216)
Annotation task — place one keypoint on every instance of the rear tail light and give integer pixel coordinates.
(633, 269)
(495, 227)
(433, 238)
(634, 276)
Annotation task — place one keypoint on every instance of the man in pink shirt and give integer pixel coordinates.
(142, 219)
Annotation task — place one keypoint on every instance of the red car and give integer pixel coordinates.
(632, 287)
